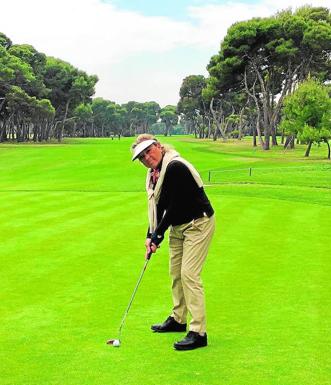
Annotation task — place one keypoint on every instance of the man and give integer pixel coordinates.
(177, 200)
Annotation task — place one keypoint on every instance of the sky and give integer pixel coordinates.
(140, 50)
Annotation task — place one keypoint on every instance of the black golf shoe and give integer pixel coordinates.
(169, 325)
(192, 340)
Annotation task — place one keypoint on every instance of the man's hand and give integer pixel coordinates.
(150, 247)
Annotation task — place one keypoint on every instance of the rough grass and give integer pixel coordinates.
(72, 225)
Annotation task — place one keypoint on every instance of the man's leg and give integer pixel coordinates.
(176, 240)
(197, 239)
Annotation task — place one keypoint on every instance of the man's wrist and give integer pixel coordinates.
(156, 238)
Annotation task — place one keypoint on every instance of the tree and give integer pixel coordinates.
(307, 114)
(139, 116)
(133, 119)
(5, 42)
(31, 84)
(268, 57)
(20, 106)
(84, 115)
(118, 120)
(68, 88)
(191, 104)
(43, 115)
(169, 117)
(37, 62)
(102, 113)
(151, 113)
(28, 115)
(13, 72)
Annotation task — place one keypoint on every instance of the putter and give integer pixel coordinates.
(117, 342)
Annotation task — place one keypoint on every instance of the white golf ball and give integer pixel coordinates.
(116, 343)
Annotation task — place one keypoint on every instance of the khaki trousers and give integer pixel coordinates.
(189, 245)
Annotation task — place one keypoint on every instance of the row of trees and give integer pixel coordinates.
(260, 62)
(106, 118)
(38, 93)
(43, 97)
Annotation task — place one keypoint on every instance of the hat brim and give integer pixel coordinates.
(141, 147)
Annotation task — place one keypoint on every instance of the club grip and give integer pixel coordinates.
(148, 257)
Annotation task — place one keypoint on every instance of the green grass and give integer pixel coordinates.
(72, 225)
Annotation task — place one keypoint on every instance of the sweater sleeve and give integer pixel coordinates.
(177, 180)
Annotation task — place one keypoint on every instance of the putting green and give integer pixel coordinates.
(73, 221)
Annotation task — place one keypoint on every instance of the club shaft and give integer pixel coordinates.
(132, 298)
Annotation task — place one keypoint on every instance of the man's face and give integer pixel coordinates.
(152, 156)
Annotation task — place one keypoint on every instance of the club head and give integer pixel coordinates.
(115, 343)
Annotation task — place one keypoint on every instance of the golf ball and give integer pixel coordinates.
(116, 343)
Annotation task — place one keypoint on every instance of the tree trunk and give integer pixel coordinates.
(266, 108)
(254, 137)
(2, 102)
(266, 140)
(48, 131)
(217, 120)
(287, 88)
(167, 129)
(328, 144)
(35, 133)
(3, 133)
(273, 136)
(282, 137)
(308, 148)
(289, 142)
(209, 129)
(241, 123)
(61, 130)
(258, 110)
(131, 129)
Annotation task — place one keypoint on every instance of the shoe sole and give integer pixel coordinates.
(168, 331)
(189, 347)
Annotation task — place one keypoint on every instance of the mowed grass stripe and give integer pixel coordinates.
(306, 195)
(41, 226)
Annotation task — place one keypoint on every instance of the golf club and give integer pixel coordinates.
(117, 342)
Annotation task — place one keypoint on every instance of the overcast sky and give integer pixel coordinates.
(140, 50)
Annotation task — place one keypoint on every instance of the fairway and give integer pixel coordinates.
(73, 222)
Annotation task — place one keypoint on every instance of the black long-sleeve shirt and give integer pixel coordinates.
(181, 200)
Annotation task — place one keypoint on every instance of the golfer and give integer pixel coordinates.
(177, 200)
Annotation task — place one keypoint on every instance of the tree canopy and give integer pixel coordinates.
(307, 114)
(260, 61)
(44, 97)
(38, 93)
